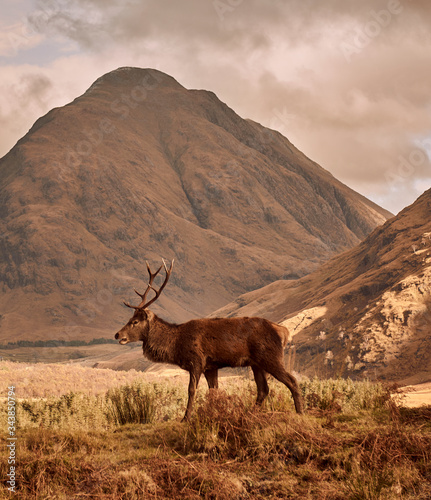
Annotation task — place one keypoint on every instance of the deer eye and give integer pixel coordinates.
(135, 322)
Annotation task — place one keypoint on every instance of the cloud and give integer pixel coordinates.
(347, 82)
(27, 94)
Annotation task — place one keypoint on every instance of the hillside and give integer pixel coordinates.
(139, 168)
(365, 313)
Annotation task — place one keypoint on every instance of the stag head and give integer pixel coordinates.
(136, 329)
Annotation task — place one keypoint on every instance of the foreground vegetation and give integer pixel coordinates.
(354, 442)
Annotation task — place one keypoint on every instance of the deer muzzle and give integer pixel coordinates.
(123, 341)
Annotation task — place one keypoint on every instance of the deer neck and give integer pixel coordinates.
(159, 344)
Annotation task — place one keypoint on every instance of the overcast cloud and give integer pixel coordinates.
(348, 82)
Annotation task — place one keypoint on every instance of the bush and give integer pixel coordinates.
(344, 395)
(225, 428)
(131, 404)
(70, 411)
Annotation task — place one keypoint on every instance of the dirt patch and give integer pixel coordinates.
(417, 395)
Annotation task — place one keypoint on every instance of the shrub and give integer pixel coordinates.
(70, 411)
(344, 394)
(131, 404)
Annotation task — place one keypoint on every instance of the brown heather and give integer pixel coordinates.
(354, 442)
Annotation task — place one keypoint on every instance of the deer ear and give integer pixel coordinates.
(143, 313)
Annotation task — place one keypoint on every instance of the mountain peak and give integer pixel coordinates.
(138, 79)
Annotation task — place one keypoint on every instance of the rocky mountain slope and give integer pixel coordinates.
(365, 313)
(139, 168)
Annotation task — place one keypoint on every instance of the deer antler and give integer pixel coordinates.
(150, 283)
(144, 304)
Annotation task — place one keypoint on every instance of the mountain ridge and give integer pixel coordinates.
(364, 313)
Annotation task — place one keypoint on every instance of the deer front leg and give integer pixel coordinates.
(193, 384)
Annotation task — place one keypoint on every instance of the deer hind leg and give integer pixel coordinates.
(193, 384)
(262, 384)
(277, 370)
(212, 378)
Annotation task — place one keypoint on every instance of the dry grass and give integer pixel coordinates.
(45, 380)
(351, 444)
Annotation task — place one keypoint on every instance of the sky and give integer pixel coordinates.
(348, 82)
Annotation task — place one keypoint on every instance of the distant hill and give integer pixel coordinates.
(365, 313)
(139, 168)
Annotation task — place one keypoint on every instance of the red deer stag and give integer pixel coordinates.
(205, 345)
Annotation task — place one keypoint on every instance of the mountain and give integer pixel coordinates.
(139, 168)
(366, 312)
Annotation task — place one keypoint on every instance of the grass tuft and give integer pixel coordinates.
(131, 404)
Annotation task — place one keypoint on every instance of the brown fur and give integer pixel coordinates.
(202, 346)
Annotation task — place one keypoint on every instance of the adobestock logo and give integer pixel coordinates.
(225, 7)
(364, 35)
